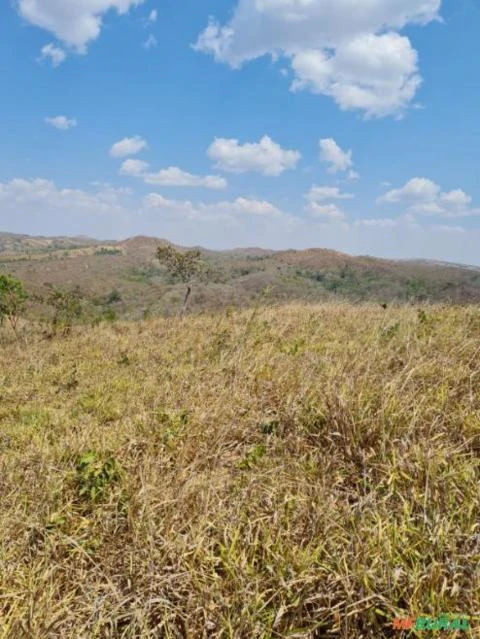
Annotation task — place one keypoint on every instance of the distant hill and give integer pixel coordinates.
(239, 277)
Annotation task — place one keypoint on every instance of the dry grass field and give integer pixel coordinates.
(294, 471)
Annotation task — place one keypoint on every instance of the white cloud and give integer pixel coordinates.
(332, 154)
(348, 50)
(319, 207)
(416, 189)
(321, 193)
(374, 74)
(353, 175)
(266, 157)
(38, 206)
(52, 53)
(150, 43)
(75, 22)
(62, 122)
(239, 208)
(134, 167)
(173, 176)
(330, 212)
(424, 196)
(456, 199)
(45, 196)
(153, 16)
(128, 146)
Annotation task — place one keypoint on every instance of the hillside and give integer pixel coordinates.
(304, 471)
(238, 278)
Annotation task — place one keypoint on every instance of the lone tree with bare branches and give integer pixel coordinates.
(183, 265)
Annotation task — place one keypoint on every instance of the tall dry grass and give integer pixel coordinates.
(298, 472)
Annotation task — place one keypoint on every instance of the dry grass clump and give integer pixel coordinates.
(301, 472)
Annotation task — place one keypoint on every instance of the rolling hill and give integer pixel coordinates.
(238, 278)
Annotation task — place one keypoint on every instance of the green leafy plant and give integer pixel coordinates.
(422, 316)
(270, 427)
(67, 306)
(94, 476)
(109, 315)
(172, 425)
(124, 360)
(13, 297)
(253, 456)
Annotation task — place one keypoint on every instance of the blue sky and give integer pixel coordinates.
(224, 123)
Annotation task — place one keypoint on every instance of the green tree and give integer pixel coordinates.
(67, 306)
(13, 297)
(184, 265)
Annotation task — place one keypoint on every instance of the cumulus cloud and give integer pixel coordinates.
(330, 212)
(424, 196)
(266, 156)
(134, 167)
(241, 207)
(374, 74)
(44, 196)
(52, 53)
(62, 122)
(321, 193)
(75, 22)
(337, 159)
(416, 189)
(348, 50)
(318, 205)
(41, 199)
(153, 16)
(38, 206)
(173, 176)
(128, 146)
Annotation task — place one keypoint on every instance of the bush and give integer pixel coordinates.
(113, 297)
(67, 306)
(13, 297)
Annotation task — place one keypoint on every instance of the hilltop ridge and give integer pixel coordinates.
(238, 277)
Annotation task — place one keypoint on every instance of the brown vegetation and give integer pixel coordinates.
(301, 471)
(237, 278)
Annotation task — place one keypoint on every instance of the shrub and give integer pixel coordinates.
(95, 476)
(67, 307)
(13, 297)
(113, 297)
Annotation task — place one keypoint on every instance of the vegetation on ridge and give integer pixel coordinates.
(237, 278)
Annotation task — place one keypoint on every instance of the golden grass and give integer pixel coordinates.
(305, 471)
